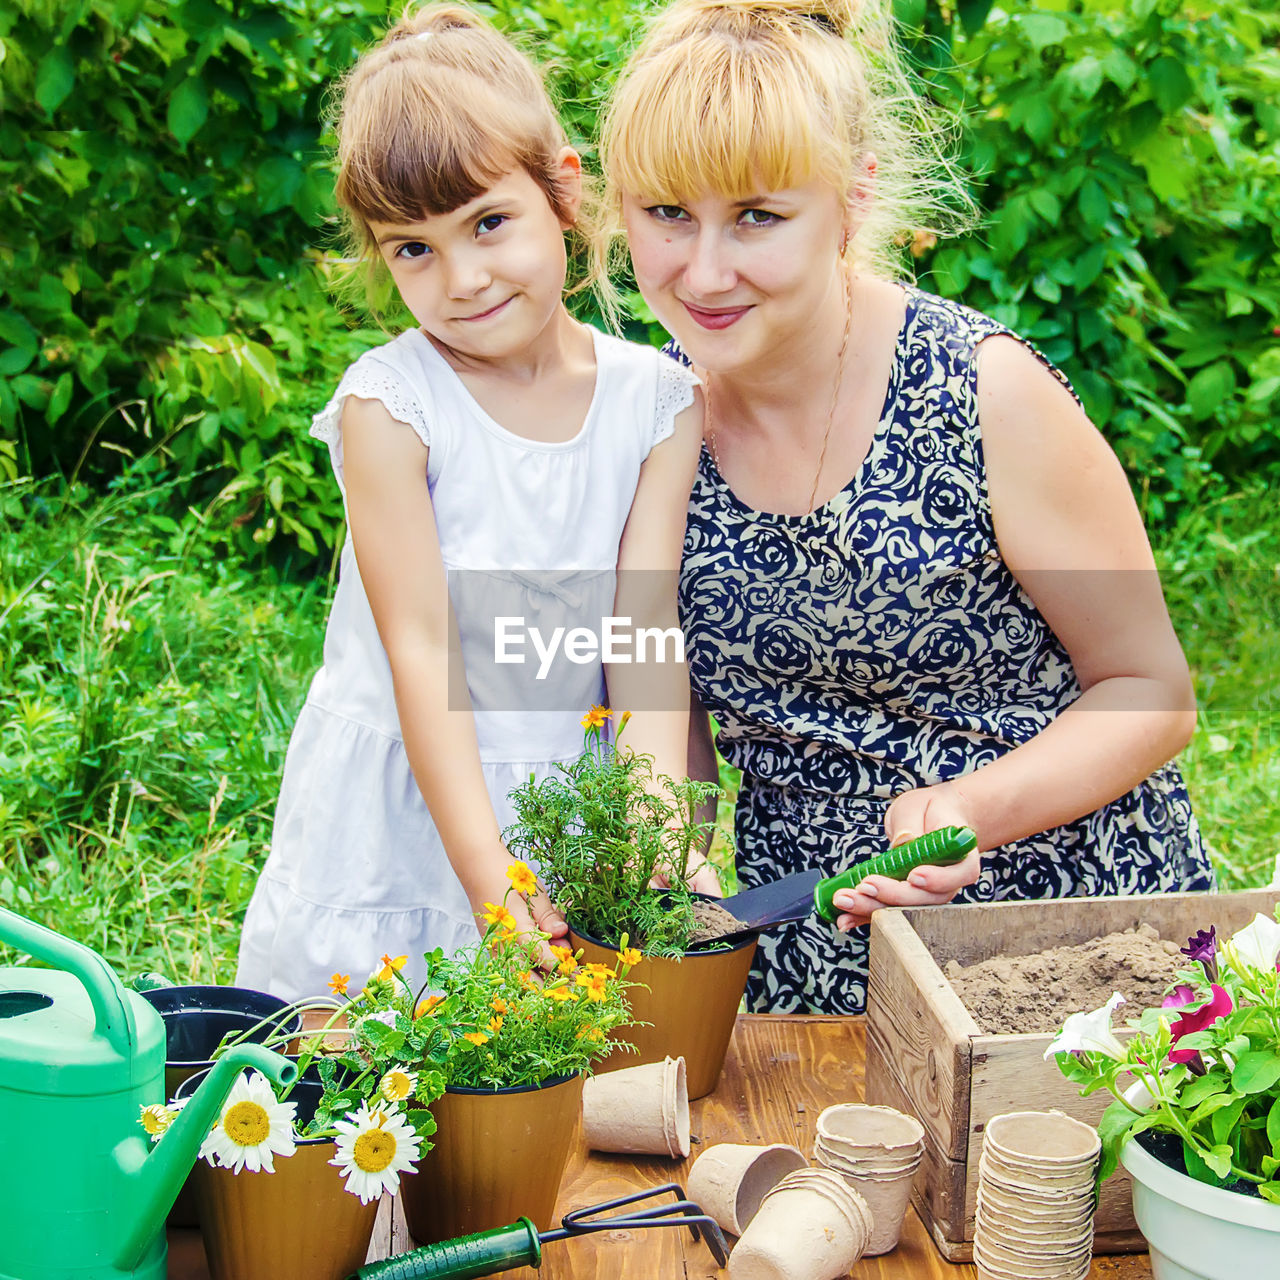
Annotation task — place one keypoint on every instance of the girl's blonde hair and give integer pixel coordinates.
(431, 118)
(731, 97)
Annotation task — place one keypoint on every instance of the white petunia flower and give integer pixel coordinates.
(1090, 1033)
(253, 1128)
(375, 1146)
(1256, 945)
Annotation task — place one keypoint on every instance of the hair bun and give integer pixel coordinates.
(431, 20)
(837, 17)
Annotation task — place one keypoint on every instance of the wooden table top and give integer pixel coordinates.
(781, 1072)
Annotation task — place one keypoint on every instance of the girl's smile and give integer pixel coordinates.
(484, 280)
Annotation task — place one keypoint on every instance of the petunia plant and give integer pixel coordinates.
(1208, 1061)
(603, 829)
(498, 1022)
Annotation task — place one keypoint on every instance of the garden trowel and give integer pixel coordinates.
(793, 897)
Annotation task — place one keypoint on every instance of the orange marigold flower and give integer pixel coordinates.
(390, 967)
(601, 969)
(629, 956)
(595, 984)
(428, 1006)
(522, 879)
(561, 993)
(499, 915)
(498, 1005)
(338, 983)
(525, 979)
(495, 1025)
(596, 717)
(476, 1037)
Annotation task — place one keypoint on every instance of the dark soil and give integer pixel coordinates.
(1167, 1148)
(1037, 993)
(711, 921)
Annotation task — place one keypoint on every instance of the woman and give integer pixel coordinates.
(916, 589)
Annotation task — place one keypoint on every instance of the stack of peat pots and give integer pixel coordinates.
(1035, 1197)
(810, 1226)
(876, 1150)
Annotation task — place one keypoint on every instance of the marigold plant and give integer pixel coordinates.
(602, 829)
(486, 1019)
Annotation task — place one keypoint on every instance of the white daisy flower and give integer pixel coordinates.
(375, 1146)
(253, 1129)
(156, 1118)
(398, 1084)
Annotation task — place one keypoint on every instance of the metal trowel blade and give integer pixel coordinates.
(778, 902)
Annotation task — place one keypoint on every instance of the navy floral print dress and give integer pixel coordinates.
(880, 644)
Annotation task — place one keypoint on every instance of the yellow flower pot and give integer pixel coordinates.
(499, 1155)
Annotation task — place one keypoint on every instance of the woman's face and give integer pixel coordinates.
(736, 282)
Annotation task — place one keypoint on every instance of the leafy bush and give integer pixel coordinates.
(165, 252)
(1130, 163)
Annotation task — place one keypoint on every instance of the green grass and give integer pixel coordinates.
(152, 676)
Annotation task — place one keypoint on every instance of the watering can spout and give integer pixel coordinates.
(159, 1174)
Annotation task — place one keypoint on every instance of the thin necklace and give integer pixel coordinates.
(831, 412)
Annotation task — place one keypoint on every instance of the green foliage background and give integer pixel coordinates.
(166, 249)
(167, 326)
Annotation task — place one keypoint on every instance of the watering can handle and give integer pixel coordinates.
(113, 1017)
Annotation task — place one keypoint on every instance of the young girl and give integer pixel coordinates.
(500, 435)
(916, 589)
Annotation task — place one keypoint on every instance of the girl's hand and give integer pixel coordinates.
(703, 878)
(534, 914)
(910, 815)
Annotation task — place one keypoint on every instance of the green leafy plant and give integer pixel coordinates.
(485, 1018)
(602, 829)
(1208, 1062)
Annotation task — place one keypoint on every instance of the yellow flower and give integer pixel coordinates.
(495, 1025)
(526, 980)
(338, 983)
(629, 956)
(595, 984)
(476, 1037)
(499, 1005)
(397, 1084)
(428, 1006)
(595, 718)
(522, 879)
(622, 724)
(500, 916)
(561, 993)
(390, 967)
(593, 1034)
(155, 1119)
(600, 968)
(567, 962)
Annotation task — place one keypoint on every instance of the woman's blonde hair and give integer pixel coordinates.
(731, 97)
(431, 118)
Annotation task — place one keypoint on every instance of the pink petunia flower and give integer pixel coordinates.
(1217, 1006)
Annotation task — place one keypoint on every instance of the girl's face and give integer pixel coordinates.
(736, 281)
(486, 279)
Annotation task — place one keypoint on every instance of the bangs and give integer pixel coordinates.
(425, 149)
(703, 120)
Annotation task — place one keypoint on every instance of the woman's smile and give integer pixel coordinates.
(716, 317)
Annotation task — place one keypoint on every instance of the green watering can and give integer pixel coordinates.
(83, 1192)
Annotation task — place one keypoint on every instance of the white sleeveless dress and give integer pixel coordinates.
(356, 867)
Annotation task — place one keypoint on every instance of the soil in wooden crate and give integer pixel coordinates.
(1037, 993)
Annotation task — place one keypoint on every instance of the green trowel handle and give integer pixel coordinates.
(481, 1254)
(941, 848)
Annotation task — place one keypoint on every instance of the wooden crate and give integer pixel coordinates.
(926, 1054)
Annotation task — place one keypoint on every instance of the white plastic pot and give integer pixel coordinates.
(1199, 1232)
